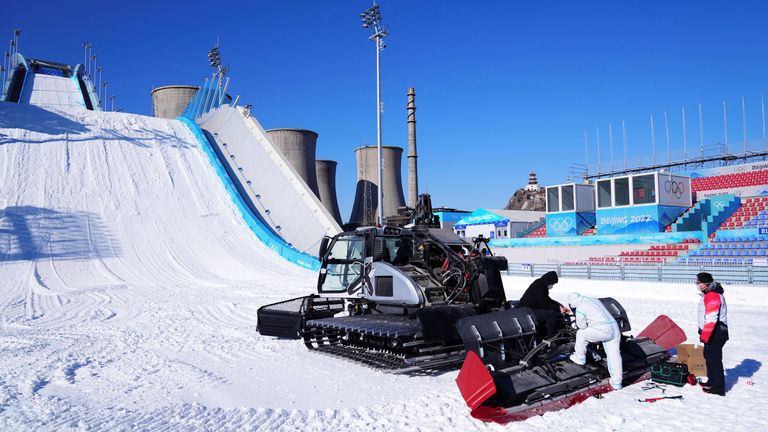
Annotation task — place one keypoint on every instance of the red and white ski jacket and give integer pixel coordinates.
(712, 309)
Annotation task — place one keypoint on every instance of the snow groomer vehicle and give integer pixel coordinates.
(391, 296)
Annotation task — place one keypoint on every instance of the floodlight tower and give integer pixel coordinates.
(86, 46)
(371, 19)
(214, 60)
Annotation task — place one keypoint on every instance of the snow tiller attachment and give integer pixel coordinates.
(509, 376)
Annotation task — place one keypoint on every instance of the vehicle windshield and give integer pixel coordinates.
(346, 248)
(344, 264)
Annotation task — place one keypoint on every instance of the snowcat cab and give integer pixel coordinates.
(400, 270)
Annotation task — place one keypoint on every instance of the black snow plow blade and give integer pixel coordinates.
(395, 343)
(507, 376)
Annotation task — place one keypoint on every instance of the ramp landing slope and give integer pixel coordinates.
(276, 192)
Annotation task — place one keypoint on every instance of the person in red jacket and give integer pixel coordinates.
(713, 331)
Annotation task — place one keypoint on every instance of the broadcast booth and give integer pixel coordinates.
(570, 209)
(641, 203)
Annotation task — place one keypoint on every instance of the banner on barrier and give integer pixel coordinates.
(742, 234)
(731, 169)
(639, 238)
(569, 223)
(636, 219)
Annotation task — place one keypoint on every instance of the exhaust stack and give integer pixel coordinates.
(413, 171)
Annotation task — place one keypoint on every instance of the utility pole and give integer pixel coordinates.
(685, 138)
(371, 19)
(100, 70)
(701, 131)
(653, 142)
(86, 46)
(104, 91)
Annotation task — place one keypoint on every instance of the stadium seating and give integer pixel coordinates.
(735, 250)
(730, 181)
(753, 213)
(658, 254)
(538, 232)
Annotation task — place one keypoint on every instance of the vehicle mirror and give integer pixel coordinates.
(324, 246)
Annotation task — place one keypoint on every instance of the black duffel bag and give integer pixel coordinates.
(670, 373)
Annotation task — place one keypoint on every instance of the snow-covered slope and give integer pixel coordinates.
(52, 91)
(128, 294)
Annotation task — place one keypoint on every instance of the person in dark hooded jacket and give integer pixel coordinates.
(713, 330)
(547, 311)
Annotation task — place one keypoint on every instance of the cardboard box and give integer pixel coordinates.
(693, 356)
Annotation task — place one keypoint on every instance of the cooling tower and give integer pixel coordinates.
(170, 101)
(298, 146)
(365, 207)
(413, 171)
(326, 184)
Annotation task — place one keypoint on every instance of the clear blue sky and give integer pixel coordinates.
(502, 87)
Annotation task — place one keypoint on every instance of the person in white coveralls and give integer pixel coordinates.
(596, 324)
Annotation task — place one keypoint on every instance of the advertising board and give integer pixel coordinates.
(569, 223)
(636, 219)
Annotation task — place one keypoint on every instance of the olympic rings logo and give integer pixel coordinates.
(676, 188)
(719, 205)
(560, 224)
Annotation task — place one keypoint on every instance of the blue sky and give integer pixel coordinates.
(502, 87)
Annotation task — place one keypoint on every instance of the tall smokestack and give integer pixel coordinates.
(299, 147)
(413, 170)
(326, 183)
(365, 208)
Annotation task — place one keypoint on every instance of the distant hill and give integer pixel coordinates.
(526, 199)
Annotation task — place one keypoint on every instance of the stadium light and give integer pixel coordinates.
(104, 90)
(16, 36)
(371, 19)
(100, 70)
(86, 46)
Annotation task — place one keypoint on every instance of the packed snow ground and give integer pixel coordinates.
(128, 296)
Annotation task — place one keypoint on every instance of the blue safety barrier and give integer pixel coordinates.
(262, 232)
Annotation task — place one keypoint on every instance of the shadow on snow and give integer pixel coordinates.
(30, 233)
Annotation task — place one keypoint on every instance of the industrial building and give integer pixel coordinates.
(496, 224)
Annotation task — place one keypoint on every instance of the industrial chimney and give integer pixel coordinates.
(299, 147)
(365, 208)
(326, 183)
(413, 171)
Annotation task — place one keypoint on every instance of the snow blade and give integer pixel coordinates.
(548, 381)
(504, 416)
(664, 332)
(475, 382)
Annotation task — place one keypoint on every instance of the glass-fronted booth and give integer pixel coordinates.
(570, 209)
(641, 203)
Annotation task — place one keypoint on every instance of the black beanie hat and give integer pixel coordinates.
(704, 277)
